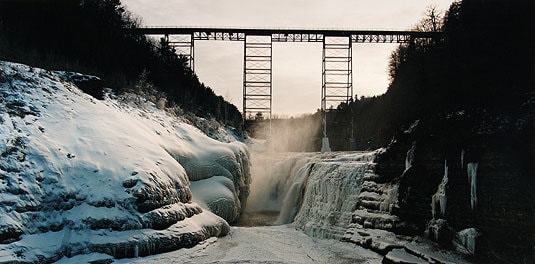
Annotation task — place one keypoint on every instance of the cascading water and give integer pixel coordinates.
(317, 190)
(273, 177)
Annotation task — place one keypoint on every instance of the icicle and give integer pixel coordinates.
(471, 169)
(462, 158)
(440, 197)
(136, 251)
(410, 156)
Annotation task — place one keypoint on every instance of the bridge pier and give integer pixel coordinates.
(337, 78)
(184, 46)
(257, 76)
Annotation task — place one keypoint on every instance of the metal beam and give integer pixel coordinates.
(290, 35)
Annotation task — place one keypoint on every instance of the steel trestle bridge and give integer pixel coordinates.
(337, 81)
(337, 72)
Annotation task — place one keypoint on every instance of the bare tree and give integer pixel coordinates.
(432, 21)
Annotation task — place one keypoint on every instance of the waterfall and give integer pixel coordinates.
(318, 192)
(274, 176)
(331, 193)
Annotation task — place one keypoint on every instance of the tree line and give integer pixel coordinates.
(485, 60)
(93, 37)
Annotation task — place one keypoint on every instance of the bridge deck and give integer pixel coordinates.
(290, 35)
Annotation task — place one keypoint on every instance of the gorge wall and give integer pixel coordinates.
(468, 182)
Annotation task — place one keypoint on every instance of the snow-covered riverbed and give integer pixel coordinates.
(266, 244)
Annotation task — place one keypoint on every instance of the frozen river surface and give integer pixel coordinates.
(266, 244)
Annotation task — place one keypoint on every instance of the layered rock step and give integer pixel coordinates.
(375, 203)
(373, 225)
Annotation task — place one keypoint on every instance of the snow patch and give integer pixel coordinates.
(218, 195)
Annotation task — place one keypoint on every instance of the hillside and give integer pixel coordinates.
(94, 37)
(81, 175)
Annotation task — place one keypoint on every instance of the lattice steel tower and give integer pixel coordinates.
(257, 76)
(337, 78)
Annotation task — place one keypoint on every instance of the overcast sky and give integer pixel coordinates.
(296, 66)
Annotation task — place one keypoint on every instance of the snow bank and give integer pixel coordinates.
(80, 175)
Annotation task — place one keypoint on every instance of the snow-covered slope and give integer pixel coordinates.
(80, 175)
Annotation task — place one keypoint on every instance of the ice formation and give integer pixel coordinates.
(471, 170)
(466, 239)
(325, 147)
(440, 199)
(331, 192)
(316, 191)
(409, 159)
(80, 175)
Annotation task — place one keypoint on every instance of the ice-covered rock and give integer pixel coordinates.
(466, 239)
(80, 175)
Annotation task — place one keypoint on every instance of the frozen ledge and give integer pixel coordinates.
(52, 246)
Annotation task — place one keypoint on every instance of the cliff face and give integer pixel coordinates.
(466, 180)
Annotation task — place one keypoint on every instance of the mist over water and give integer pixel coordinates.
(302, 134)
(273, 175)
(279, 166)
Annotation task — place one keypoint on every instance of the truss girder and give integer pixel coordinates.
(218, 35)
(291, 35)
(257, 76)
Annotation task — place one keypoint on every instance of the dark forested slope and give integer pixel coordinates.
(92, 36)
(485, 61)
